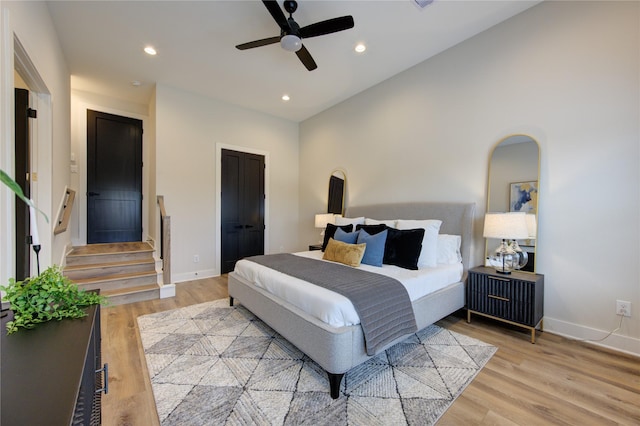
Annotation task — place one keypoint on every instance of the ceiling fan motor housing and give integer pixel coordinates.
(290, 6)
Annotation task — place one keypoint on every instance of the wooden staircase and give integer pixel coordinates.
(124, 272)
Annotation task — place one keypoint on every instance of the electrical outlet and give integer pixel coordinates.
(623, 308)
(196, 258)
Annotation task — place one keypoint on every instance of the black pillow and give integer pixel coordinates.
(372, 229)
(330, 231)
(403, 247)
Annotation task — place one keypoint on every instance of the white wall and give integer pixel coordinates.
(567, 74)
(31, 24)
(80, 103)
(189, 129)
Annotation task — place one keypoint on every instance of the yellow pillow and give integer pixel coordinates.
(349, 254)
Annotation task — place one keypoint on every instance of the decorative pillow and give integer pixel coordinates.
(449, 249)
(349, 254)
(349, 221)
(346, 237)
(390, 223)
(429, 253)
(374, 253)
(372, 229)
(330, 231)
(403, 247)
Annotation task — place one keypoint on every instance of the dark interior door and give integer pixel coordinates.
(242, 207)
(22, 167)
(114, 178)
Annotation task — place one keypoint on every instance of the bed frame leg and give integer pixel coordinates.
(334, 384)
(230, 301)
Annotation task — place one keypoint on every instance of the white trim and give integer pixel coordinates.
(218, 221)
(7, 242)
(167, 290)
(27, 70)
(194, 275)
(626, 344)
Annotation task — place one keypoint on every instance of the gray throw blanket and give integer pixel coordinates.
(382, 303)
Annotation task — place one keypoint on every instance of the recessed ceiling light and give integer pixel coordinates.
(150, 50)
(285, 98)
(136, 83)
(360, 47)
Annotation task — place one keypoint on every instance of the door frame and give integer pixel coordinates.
(218, 198)
(14, 58)
(79, 107)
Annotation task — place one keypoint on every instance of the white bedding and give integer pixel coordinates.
(333, 308)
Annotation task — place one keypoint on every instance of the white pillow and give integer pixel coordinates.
(449, 249)
(429, 254)
(389, 222)
(341, 221)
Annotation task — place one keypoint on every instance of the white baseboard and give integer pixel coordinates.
(194, 275)
(167, 290)
(618, 342)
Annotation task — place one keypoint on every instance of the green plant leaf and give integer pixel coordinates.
(48, 296)
(13, 185)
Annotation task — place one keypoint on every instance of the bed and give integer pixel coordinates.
(337, 349)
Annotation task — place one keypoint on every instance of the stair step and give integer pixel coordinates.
(111, 282)
(123, 272)
(77, 272)
(107, 253)
(90, 259)
(132, 294)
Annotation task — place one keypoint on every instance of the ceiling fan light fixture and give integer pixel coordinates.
(360, 48)
(291, 42)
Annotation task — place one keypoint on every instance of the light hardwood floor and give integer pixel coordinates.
(555, 381)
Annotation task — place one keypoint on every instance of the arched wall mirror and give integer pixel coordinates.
(514, 172)
(337, 189)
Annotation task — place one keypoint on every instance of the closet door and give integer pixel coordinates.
(242, 207)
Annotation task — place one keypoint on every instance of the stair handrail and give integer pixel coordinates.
(165, 241)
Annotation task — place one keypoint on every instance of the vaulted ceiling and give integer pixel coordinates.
(103, 44)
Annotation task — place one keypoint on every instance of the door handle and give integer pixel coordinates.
(93, 194)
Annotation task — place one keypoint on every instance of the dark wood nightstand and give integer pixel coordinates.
(517, 298)
(313, 247)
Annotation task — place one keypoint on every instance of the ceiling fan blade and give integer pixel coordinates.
(258, 43)
(278, 15)
(327, 27)
(306, 59)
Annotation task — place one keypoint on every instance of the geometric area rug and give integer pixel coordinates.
(212, 364)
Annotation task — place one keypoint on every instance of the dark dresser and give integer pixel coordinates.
(517, 298)
(53, 373)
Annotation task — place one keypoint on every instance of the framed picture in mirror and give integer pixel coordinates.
(524, 197)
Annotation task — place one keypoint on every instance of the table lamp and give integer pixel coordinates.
(508, 227)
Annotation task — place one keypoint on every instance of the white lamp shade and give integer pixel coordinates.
(532, 225)
(323, 219)
(506, 226)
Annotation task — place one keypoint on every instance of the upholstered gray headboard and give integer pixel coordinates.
(457, 218)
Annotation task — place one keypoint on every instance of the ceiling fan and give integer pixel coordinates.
(291, 34)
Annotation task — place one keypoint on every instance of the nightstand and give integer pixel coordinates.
(313, 247)
(516, 298)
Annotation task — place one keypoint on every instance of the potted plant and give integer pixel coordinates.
(48, 296)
